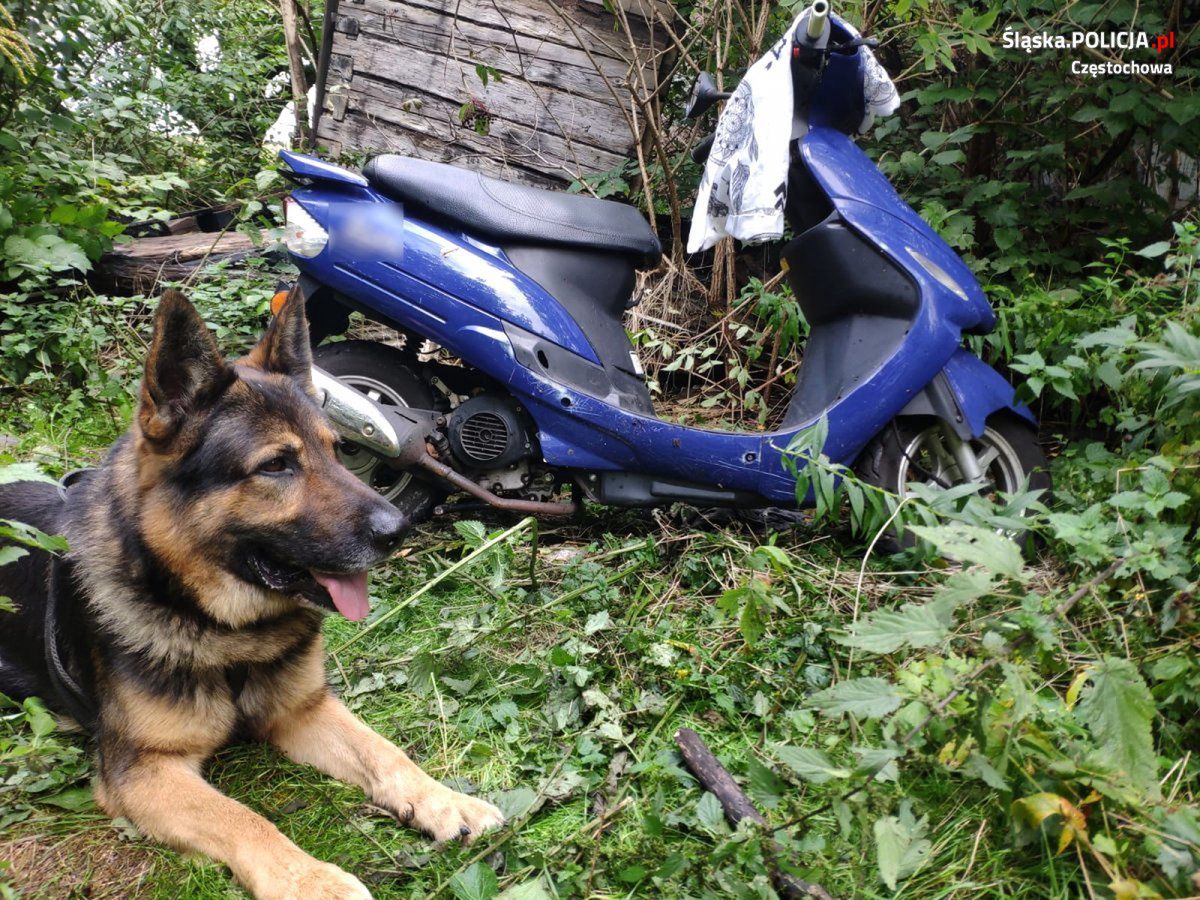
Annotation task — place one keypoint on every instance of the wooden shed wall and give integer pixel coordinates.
(400, 73)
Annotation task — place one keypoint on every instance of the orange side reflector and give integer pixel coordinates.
(277, 302)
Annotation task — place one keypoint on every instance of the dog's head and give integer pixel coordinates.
(240, 492)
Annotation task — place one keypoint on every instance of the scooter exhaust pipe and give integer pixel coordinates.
(354, 416)
(465, 484)
(399, 434)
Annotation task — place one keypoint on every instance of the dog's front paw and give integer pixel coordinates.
(447, 815)
(322, 881)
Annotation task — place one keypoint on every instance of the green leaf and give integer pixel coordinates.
(900, 844)
(14, 472)
(21, 533)
(517, 802)
(965, 586)
(974, 545)
(1183, 108)
(1158, 248)
(752, 604)
(764, 785)
(73, 799)
(264, 179)
(868, 698)
(526, 890)
(978, 766)
(1168, 667)
(41, 723)
(912, 625)
(476, 883)
(597, 622)
(472, 531)
(45, 253)
(948, 157)
(671, 866)
(710, 815)
(933, 139)
(1118, 710)
(811, 765)
(632, 874)
(877, 762)
(420, 673)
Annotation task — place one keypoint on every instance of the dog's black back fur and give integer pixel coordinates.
(23, 669)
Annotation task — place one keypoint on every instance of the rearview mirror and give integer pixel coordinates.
(704, 95)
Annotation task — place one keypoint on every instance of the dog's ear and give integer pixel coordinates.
(285, 348)
(184, 370)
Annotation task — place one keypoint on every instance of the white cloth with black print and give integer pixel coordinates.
(744, 186)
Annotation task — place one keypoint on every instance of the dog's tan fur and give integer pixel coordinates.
(163, 793)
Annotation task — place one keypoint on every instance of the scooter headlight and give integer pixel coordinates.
(301, 233)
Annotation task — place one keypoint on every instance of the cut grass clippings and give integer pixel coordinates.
(530, 697)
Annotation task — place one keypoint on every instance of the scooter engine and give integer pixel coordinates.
(487, 432)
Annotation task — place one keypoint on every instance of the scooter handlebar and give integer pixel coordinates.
(818, 15)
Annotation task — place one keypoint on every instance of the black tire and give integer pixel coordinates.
(377, 369)
(896, 457)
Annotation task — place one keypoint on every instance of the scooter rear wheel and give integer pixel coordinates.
(917, 450)
(382, 374)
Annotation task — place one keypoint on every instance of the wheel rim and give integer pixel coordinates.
(929, 459)
(370, 468)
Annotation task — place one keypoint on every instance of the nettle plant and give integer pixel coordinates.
(1065, 690)
(996, 677)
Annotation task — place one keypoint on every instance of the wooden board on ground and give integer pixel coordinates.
(139, 265)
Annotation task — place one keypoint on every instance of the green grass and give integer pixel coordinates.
(511, 690)
(559, 700)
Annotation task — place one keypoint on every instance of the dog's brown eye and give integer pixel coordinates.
(274, 466)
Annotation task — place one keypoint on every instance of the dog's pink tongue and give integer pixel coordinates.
(349, 593)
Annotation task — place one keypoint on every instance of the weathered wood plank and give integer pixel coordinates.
(401, 71)
(393, 19)
(439, 117)
(470, 43)
(557, 112)
(182, 247)
(363, 132)
(642, 9)
(525, 146)
(533, 18)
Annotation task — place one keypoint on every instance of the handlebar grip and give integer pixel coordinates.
(818, 15)
(701, 150)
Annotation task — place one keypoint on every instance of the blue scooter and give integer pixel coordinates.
(527, 289)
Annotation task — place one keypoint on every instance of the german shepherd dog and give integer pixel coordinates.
(187, 613)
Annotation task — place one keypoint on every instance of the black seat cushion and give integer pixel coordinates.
(514, 213)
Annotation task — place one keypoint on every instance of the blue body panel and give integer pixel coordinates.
(870, 205)
(980, 391)
(424, 277)
(318, 169)
(460, 292)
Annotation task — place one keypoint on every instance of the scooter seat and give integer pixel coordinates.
(514, 213)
